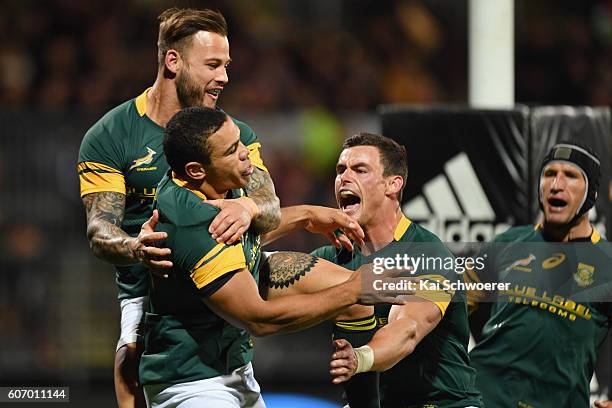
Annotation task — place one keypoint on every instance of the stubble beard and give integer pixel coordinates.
(189, 93)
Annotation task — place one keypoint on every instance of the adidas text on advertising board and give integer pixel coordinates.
(454, 206)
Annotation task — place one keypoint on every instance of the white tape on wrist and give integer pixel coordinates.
(365, 359)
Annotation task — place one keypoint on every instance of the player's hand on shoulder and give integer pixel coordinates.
(343, 362)
(603, 404)
(233, 220)
(144, 249)
(326, 221)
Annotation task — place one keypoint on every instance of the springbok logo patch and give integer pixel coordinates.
(522, 264)
(584, 274)
(148, 159)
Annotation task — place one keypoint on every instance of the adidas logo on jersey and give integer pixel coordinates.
(454, 205)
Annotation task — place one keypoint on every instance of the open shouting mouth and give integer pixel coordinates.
(349, 201)
(557, 204)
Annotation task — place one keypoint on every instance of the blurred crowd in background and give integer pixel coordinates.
(339, 54)
(313, 63)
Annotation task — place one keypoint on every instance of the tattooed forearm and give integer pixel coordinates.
(261, 190)
(283, 269)
(107, 206)
(107, 240)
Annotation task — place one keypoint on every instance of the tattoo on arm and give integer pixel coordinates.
(283, 269)
(107, 206)
(107, 240)
(261, 190)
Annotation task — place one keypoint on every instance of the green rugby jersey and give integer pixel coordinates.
(540, 342)
(123, 153)
(438, 372)
(184, 339)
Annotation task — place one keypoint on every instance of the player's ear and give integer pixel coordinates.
(395, 184)
(173, 61)
(195, 170)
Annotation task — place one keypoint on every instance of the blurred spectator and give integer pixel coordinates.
(342, 55)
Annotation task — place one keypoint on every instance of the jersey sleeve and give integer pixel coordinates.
(432, 289)
(250, 140)
(328, 252)
(435, 275)
(100, 162)
(204, 258)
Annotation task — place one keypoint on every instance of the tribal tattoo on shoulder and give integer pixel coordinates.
(283, 269)
(261, 189)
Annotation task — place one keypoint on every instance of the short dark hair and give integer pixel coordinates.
(177, 26)
(186, 136)
(392, 154)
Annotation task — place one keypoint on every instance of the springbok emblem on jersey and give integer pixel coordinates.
(144, 160)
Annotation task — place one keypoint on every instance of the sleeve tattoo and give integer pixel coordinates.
(105, 211)
(261, 189)
(283, 269)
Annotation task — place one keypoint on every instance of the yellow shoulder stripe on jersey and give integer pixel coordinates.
(98, 177)
(595, 237)
(141, 102)
(474, 297)
(213, 252)
(255, 156)
(183, 183)
(440, 298)
(358, 325)
(93, 166)
(401, 228)
(217, 262)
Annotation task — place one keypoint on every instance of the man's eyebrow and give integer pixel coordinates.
(219, 60)
(358, 164)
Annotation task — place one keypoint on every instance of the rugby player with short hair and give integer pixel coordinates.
(198, 345)
(420, 348)
(121, 162)
(539, 345)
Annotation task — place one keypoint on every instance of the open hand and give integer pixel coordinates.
(326, 221)
(144, 249)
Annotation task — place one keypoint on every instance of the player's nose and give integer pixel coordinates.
(244, 152)
(558, 182)
(222, 76)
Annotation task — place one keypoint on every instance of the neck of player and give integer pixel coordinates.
(379, 229)
(211, 192)
(581, 228)
(162, 100)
